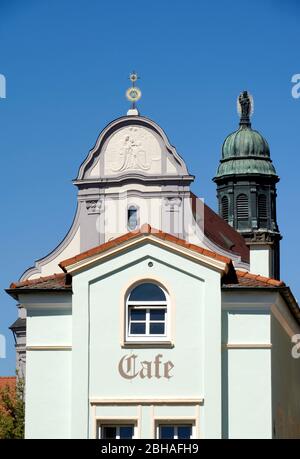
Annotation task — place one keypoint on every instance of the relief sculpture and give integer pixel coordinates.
(132, 156)
(132, 148)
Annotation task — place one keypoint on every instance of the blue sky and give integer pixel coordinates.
(66, 64)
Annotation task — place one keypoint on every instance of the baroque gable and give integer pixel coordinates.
(132, 146)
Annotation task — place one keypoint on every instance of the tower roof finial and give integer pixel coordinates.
(245, 108)
(133, 94)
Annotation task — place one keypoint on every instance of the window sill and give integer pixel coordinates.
(147, 344)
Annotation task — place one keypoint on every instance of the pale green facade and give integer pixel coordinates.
(221, 349)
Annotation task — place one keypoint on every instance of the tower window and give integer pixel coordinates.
(132, 218)
(224, 208)
(262, 207)
(242, 207)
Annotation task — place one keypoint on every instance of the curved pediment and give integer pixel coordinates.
(132, 146)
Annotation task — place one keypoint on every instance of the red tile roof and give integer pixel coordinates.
(217, 230)
(246, 279)
(56, 281)
(145, 229)
(62, 281)
(249, 280)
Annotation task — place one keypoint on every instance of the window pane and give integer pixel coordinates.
(132, 218)
(147, 292)
(137, 328)
(157, 314)
(157, 328)
(184, 432)
(166, 432)
(126, 432)
(138, 314)
(109, 432)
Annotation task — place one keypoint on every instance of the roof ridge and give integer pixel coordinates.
(258, 277)
(145, 229)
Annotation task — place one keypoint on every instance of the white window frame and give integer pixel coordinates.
(175, 424)
(117, 424)
(148, 305)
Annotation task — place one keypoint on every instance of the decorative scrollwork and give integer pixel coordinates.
(94, 207)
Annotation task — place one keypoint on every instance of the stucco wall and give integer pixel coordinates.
(246, 365)
(48, 383)
(285, 378)
(48, 366)
(97, 324)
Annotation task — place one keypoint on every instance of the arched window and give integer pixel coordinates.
(242, 207)
(224, 208)
(262, 207)
(132, 218)
(147, 312)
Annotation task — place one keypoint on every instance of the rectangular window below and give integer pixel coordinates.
(175, 431)
(116, 431)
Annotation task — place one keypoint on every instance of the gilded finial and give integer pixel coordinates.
(133, 94)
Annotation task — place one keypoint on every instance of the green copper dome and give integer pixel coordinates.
(245, 151)
(245, 142)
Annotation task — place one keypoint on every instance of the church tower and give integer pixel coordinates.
(246, 191)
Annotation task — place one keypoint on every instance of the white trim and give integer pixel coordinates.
(139, 422)
(121, 419)
(197, 417)
(247, 345)
(146, 401)
(152, 416)
(67, 240)
(94, 423)
(148, 344)
(130, 285)
(148, 306)
(285, 318)
(49, 348)
(114, 421)
(257, 307)
(133, 337)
